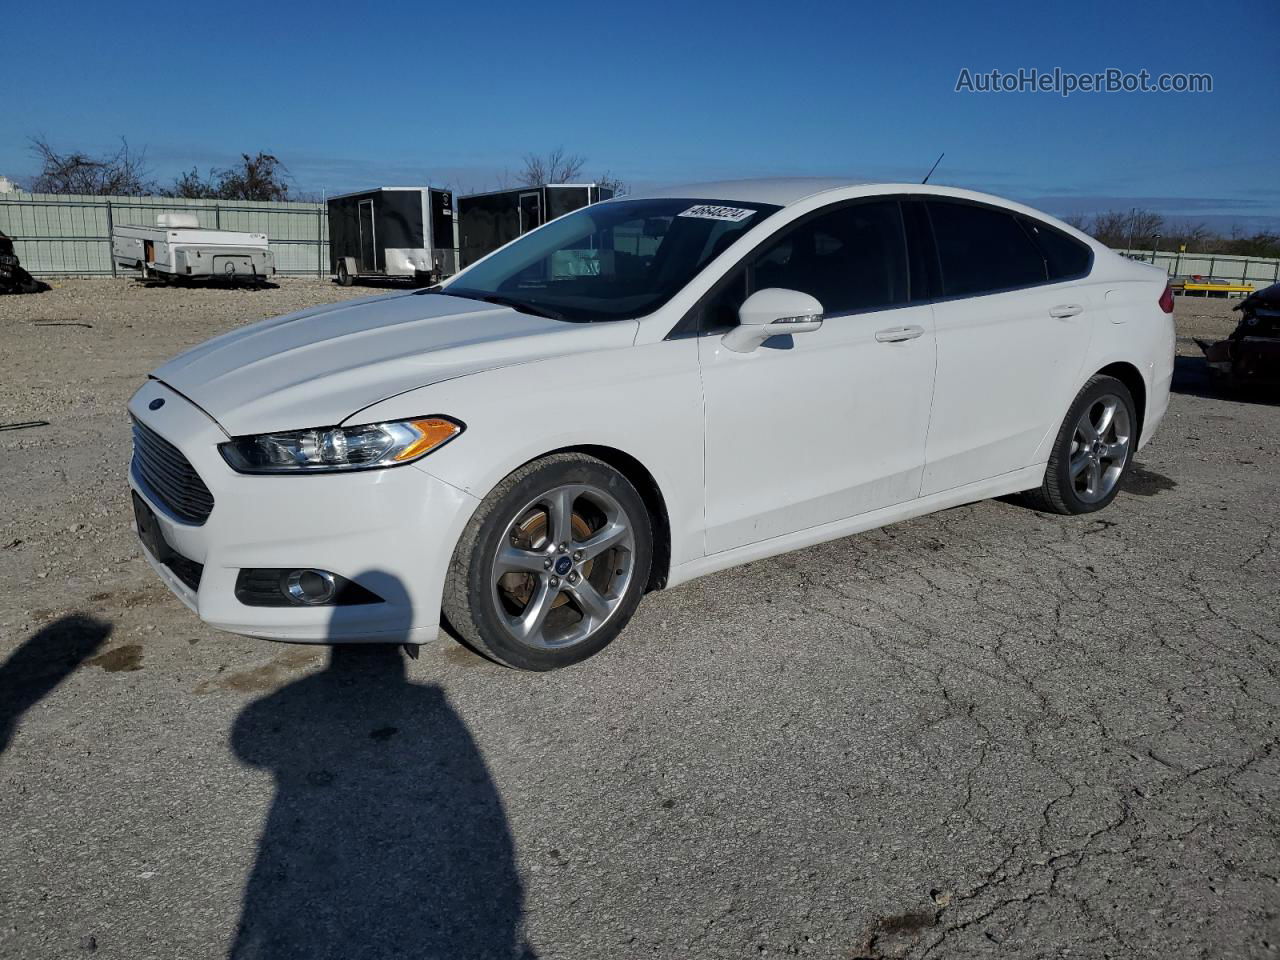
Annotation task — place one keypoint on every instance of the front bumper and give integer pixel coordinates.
(391, 531)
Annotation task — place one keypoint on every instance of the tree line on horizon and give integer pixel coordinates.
(257, 176)
(1139, 229)
(263, 176)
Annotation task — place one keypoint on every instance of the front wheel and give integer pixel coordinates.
(1093, 450)
(552, 565)
(344, 277)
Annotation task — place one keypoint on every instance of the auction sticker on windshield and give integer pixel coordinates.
(707, 211)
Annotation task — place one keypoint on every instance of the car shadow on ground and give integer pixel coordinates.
(386, 836)
(43, 661)
(406, 284)
(206, 283)
(1191, 377)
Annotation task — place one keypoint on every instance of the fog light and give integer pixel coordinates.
(275, 587)
(310, 586)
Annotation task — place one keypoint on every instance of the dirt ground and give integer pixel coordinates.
(986, 732)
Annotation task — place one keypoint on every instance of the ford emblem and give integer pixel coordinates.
(156, 404)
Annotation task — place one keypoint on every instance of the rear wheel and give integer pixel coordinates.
(552, 565)
(344, 277)
(1092, 452)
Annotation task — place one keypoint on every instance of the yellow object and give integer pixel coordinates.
(1220, 287)
(434, 431)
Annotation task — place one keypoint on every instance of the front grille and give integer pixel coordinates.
(169, 476)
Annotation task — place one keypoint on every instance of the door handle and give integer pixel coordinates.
(1064, 310)
(898, 334)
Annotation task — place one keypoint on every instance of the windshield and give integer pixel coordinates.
(610, 261)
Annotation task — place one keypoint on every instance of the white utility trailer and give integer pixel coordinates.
(178, 248)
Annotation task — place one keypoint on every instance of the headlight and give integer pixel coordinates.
(329, 449)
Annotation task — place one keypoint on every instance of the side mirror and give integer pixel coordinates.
(772, 312)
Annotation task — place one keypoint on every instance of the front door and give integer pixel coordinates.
(827, 425)
(368, 239)
(530, 211)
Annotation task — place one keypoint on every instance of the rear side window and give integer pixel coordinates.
(982, 250)
(1065, 256)
(851, 258)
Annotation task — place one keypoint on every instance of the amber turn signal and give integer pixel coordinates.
(432, 431)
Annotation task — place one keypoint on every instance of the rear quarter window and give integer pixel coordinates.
(1065, 256)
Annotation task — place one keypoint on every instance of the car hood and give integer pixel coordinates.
(1266, 297)
(322, 366)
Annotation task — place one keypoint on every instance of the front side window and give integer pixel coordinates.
(983, 249)
(610, 261)
(852, 258)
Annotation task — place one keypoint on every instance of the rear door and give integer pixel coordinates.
(1011, 344)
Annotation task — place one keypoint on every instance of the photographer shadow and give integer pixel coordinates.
(386, 836)
(37, 667)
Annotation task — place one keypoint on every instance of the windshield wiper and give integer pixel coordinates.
(522, 306)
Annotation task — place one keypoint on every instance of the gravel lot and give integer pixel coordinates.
(988, 732)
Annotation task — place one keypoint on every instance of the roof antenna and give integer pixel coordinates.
(933, 168)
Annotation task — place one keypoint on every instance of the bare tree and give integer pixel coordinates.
(1194, 236)
(609, 182)
(555, 167)
(258, 177)
(1136, 229)
(1261, 244)
(1112, 228)
(122, 174)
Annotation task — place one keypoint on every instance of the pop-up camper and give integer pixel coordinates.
(178, 248)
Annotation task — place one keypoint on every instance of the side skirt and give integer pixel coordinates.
(1028, 478)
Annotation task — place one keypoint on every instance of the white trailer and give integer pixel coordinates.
(178, 248)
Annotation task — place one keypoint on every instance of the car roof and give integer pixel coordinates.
(780, 191)
(785, 191)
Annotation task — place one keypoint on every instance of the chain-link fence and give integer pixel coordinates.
(57, 235)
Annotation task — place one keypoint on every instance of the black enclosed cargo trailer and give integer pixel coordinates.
(392, 232)
(488, 220)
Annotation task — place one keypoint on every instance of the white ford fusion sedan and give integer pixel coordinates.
(638, 393)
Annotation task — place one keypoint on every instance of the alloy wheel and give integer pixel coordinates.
(1100, 448)
(562, 566)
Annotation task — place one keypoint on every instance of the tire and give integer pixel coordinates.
(1085, 473)
(29, 284)
(538, 606)
(344, 278)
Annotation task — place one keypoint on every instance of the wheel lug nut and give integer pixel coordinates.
(555, 581)
(546, 564)
(564, 547)
(573, 578)
(577, 554)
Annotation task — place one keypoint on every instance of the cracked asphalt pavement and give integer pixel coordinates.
(984, 733)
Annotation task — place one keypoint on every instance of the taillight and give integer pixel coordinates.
(1166, 299)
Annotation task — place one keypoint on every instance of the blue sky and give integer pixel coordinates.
(659, 93)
